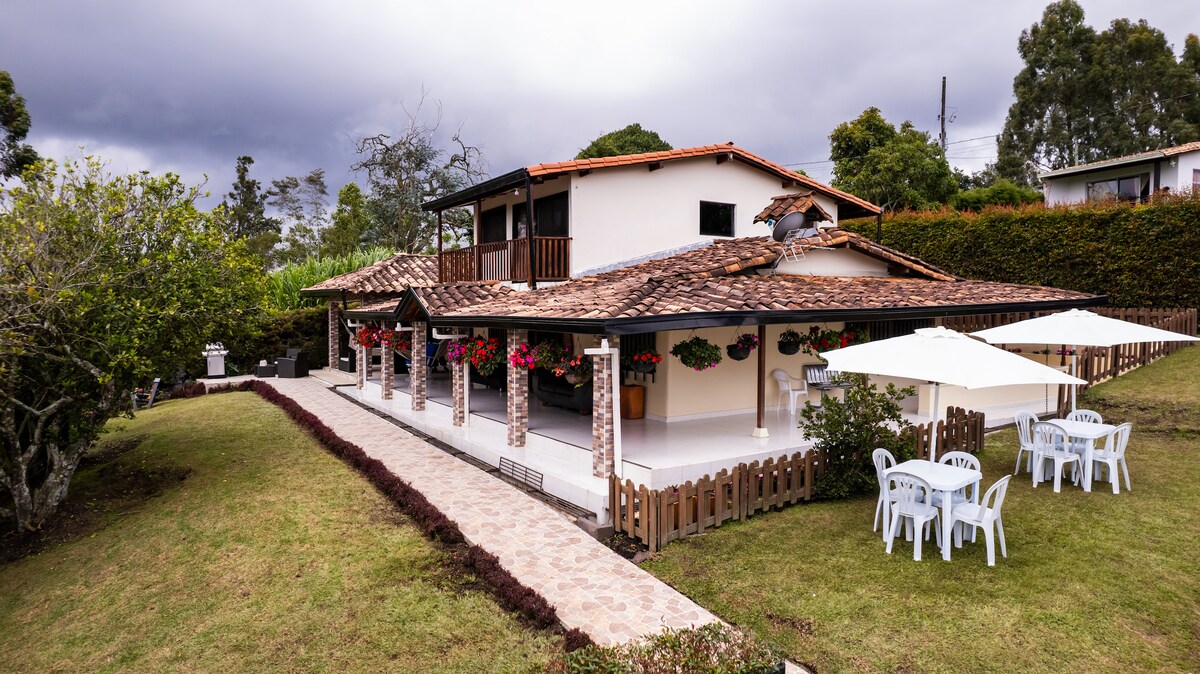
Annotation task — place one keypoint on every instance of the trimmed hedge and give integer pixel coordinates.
(1140, 256)
(274, 333)
(507, 590)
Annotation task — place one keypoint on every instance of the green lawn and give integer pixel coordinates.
(268, 554)
(1093, 582)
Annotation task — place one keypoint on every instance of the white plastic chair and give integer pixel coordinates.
(787, 387)
(911, 495)
(1112, 454)
(883, 460)
(1049, 444)
(1025, 422)
(983, 515)
(1085, 415)
(959, 460)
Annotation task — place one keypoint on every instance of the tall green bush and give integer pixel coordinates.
(285, 284)
(1140, 256)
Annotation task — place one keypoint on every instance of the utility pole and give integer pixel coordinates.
(942, 118)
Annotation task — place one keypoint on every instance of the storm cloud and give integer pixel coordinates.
(187, 87)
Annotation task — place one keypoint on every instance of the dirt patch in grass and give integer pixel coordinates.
(802, 626)
(109, 485)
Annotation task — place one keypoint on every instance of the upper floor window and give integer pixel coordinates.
(716, 219)
(552, 215)
(491, 225)
(1130, 188)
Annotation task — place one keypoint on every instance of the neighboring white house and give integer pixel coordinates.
(592, 213)
(1132, 177)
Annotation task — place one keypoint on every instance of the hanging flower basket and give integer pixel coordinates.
(789, 342)
(818, 340)
(697, 353)
(367, 336)
(394, 340)
(458, 351)
(742, 346)
(643, 362)
(548, 354)
(576, 369)
(485, 354)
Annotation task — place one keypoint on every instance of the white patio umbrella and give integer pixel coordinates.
(1078, 328)
(943, 356)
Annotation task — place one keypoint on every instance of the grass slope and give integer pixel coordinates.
(269, 555)
(1093, 582)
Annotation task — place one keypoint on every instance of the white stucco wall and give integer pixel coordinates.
(622, 213)
(834, 262)
(1186, 164)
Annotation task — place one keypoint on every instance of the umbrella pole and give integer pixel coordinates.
(933, 434)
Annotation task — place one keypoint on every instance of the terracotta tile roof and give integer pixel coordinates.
(720, 278)
(381, 307)
(387, 277)
(445, 297)
(745, 156)
(790, 203)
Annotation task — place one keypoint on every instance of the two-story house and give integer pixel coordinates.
(592, 213)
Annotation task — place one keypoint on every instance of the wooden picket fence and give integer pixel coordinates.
(1097, 363)
(658, 516)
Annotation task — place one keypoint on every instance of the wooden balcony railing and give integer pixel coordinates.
(509, 261)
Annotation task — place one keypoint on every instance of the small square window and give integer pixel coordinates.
(716, 219)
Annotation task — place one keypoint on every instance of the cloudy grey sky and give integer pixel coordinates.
(187, 87)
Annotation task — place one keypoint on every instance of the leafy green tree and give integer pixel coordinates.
(105, 282)
(894, 168)
(633, 139)
(409, 169)
(1084, 96)
(351, 223)
(15, 156)
(245, 211)
(301, 203)
(1001, 193)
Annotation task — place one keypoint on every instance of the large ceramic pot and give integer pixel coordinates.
(737, 351)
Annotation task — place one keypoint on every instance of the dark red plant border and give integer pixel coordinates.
(508, 591)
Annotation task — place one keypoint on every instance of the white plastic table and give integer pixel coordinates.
(944, 478)
(1089, 432)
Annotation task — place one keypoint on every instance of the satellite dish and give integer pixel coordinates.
(796, 220)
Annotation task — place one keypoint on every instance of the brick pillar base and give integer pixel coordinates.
(418, 371)
(518, 394)
(458, 379)
(334, 334)
(603, 435)
(387, 374)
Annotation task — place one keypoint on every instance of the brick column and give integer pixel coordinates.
(334, 334)
(458, 383)
(417, 372)
(387, 374)
(603, 435)
(518, 393)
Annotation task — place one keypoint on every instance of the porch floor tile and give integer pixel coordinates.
(593, 588)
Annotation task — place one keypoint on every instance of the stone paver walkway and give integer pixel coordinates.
(592, 587)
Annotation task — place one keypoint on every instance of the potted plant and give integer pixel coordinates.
(643, 362)
(394, 340)
(576, 369)
(742, 346)
(697, 353)
(818, 340)
(789, 342)
(458, 351)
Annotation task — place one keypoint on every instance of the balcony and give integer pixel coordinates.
(508, 261)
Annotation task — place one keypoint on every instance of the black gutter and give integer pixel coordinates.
(487, 188)
(716, 319)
